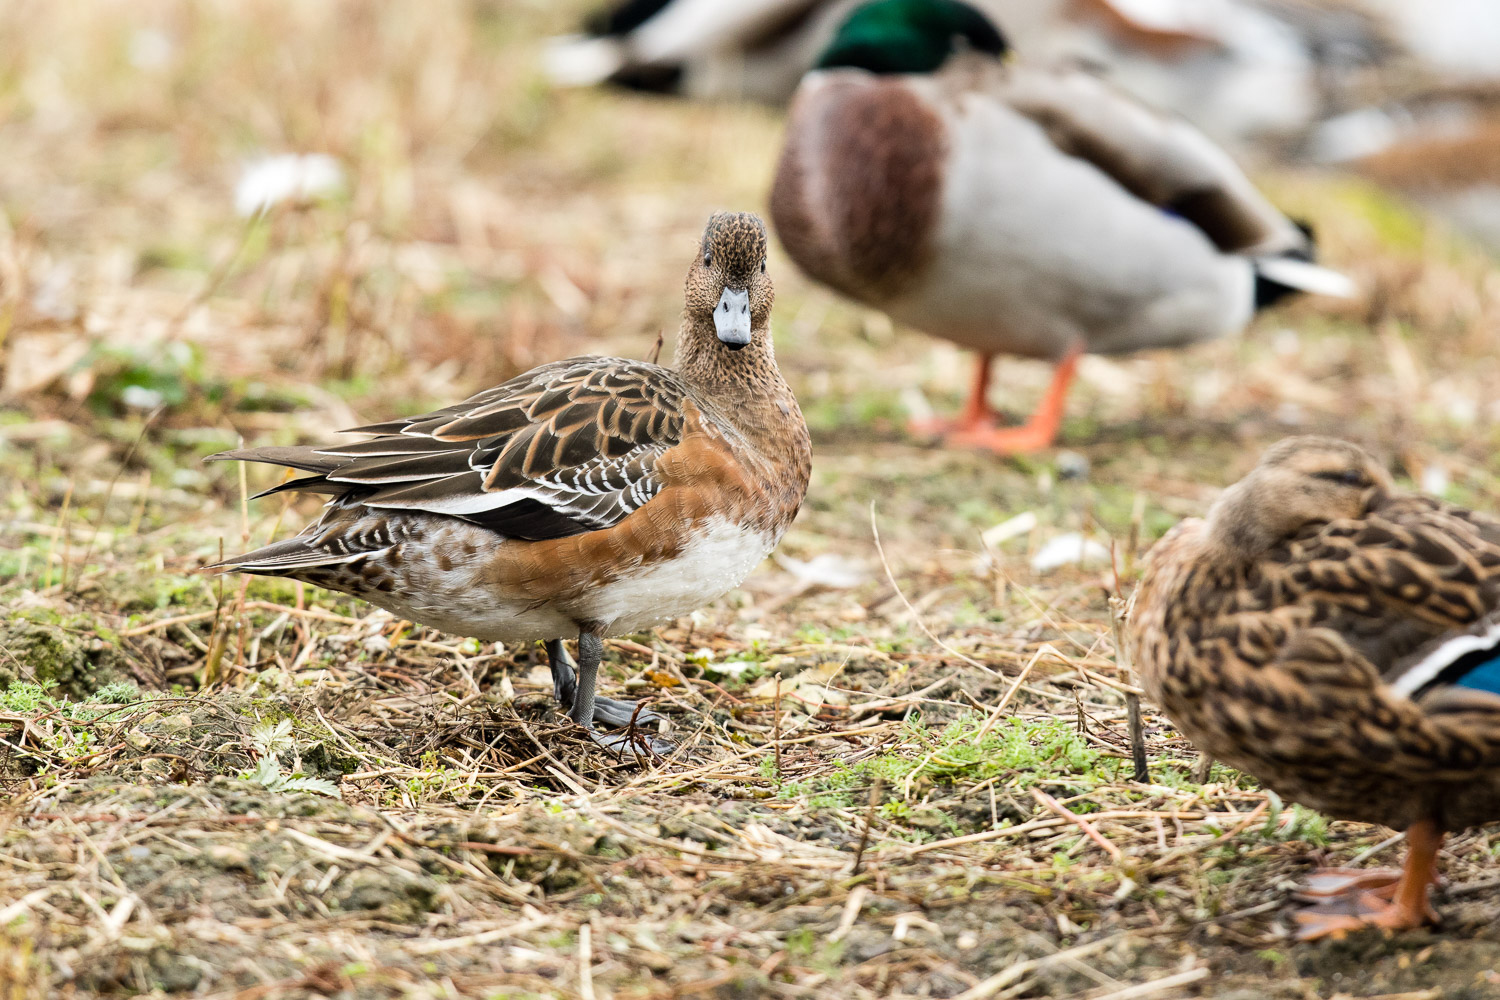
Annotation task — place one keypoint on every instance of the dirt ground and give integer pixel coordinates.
(905, 766)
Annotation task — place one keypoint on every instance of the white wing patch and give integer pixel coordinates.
(598, 494)
(1427, 670)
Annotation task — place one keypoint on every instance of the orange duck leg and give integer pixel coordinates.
(1399, 906)
(975, 426)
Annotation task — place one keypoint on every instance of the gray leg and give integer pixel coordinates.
(590, 652)
(563, 682)
(609, 711)
(586, 704)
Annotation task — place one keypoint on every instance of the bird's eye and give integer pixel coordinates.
(708, 260)
(1345, 477)
(762, 267)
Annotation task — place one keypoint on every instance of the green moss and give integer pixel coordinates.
(1025, 752)
(54, 657)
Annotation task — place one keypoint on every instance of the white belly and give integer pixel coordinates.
(711, 565)
(1039, 251)
(458, 602)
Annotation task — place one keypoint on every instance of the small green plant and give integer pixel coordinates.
(268, 774)
(270, 740)
(23, 697)
(67, 731)
(1295, 823)
(27, 697)
(801, 941)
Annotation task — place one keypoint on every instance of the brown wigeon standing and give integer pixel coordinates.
(589, 497)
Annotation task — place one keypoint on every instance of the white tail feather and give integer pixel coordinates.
(1306, 277)
(580, 61)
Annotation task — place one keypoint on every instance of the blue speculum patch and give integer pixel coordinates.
(1484, 677)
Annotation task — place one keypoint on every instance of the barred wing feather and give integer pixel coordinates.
(566, 448)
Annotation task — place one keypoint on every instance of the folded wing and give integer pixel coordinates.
(567, 448)
(1158, 158)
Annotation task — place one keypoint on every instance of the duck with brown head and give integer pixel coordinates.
(1300, 481)
(588, 497)
(1339, 640)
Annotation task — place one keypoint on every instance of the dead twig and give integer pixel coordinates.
(1088, 828)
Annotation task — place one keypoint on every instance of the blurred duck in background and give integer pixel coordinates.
(1242, 70)
(1254, 75)
(1439, 149)
(706, 49)
(1019, 210)
(1433, 134)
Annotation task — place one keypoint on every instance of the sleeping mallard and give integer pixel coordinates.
(1238, 69)
(1340, 641)
(704, 49)
(1017, 209)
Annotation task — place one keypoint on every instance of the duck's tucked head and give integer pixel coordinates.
(727, 286)
(911, 36)
(1299, 481)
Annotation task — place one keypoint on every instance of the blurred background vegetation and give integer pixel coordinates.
(466, 222)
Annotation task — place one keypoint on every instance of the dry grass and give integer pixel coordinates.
(851, 829)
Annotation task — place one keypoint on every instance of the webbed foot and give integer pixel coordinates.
(1357, 899)
(1358, 911)
(613, 712)
(619, 713)
(1329, 883)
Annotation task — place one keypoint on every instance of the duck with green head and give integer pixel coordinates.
(1018, 209)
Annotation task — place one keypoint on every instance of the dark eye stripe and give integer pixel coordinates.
(1348, 477)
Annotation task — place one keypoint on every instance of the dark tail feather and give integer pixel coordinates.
(305, 458)
(286, 557)
(307, 484)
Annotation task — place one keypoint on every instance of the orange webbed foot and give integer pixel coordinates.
(1021, 440)
(1357, 899)
(1361, 911)
(978, 426)
(1328, 883)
